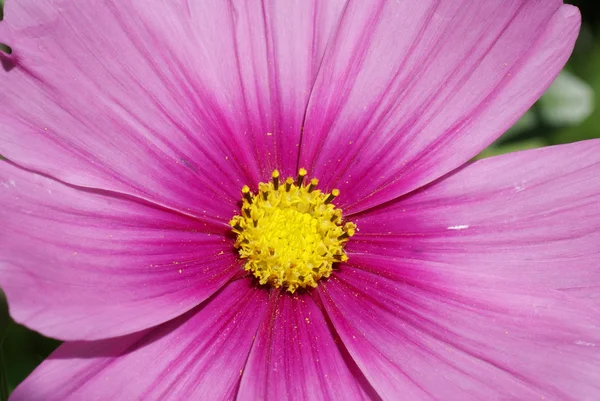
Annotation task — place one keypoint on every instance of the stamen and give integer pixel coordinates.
(288, 184)
(349, 231)
(246, 193)
(350, 228)
(342, 257)
(301, 174)
(337, 215)
(344, 236)
(334, 194)
(291, 235)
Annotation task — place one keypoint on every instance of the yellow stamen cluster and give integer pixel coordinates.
(290, 233)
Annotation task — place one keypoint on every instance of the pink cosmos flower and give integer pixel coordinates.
(130, 127)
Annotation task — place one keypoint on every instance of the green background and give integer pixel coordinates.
(568, 112)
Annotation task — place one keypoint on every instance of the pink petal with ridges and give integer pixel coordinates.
(295, 357)
(82, 265)
(180, 105)
(198, 356)
(410, 90)
(465, 342)
(529, 218)
(280, 46)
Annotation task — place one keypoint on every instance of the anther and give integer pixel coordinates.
(288, 184)
(337, 214)
(350, 228)
(275, 177)
(301, 174)
(246, 193)
(344, 236)
(264, 190)
(313, 184)
(334, 194)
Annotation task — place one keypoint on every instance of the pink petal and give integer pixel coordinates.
(411, 89)
(463, 342)
(181, 104)
(280, 48)
(529, 218)
(198, 356)
(82, 264)
(297, 357)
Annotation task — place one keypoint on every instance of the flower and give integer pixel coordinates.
(129, 129)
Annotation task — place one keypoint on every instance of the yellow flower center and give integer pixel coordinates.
(289, 233)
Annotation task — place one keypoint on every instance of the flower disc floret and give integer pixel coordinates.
(290, 233)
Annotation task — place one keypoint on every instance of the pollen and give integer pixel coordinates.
(290, 233)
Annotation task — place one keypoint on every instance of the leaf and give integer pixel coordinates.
(496, 150)
(4, 323)
(3, 378)
(569, 101)
(586, 64)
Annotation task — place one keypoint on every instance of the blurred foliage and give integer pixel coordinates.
(4, 323)
(570, 110)
(566, 113)
(21, 350)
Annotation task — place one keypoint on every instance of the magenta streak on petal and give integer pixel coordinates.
(180, 106)
(530, 218)
(294, 356)
(410, 83)
(80, 264)
(203, 101)
(113, 125)
(277, 46)
(430, 85)
(198, 356)
(463, 341)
